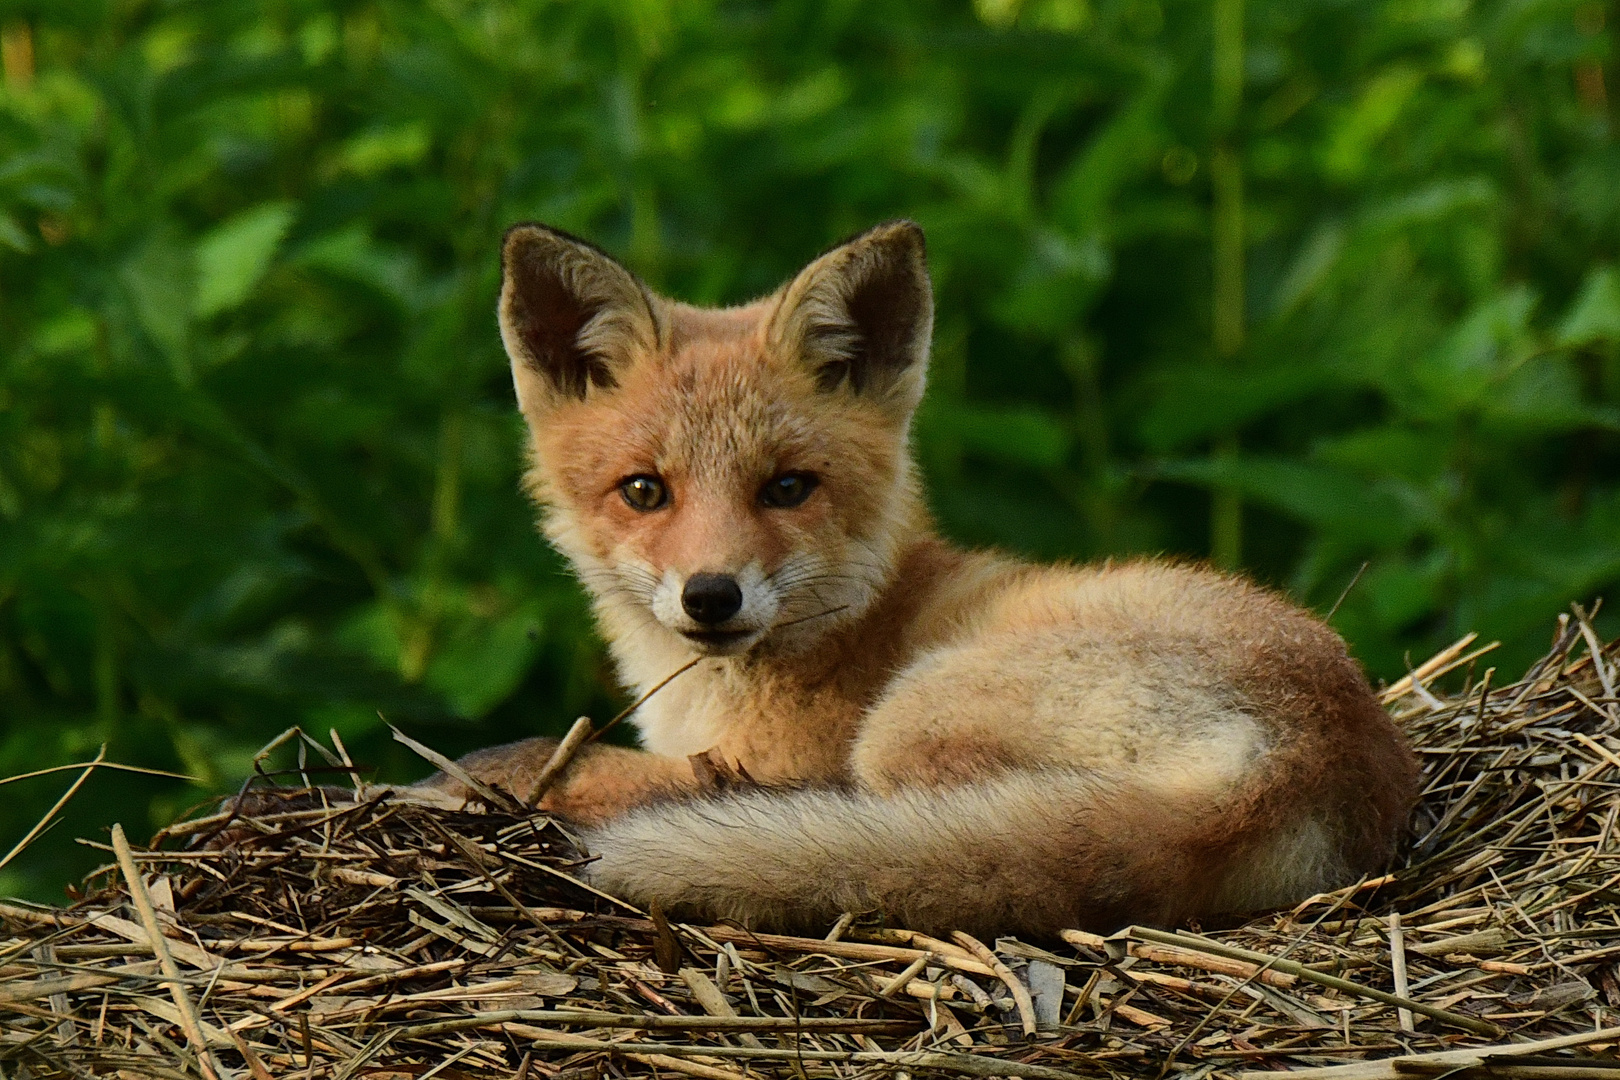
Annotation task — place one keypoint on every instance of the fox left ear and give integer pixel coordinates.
(861, 316)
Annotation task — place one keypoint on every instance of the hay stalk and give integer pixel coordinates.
(385, 939)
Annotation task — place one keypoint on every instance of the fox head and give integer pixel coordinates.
(722, 480)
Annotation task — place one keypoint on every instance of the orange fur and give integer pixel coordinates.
(972, 740)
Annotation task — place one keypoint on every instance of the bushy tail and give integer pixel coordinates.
(1029, 852)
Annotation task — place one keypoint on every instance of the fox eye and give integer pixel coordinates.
(644, 493)
(788, 490)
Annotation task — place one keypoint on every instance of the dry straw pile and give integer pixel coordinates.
(386, 940)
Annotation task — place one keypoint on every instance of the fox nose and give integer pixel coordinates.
(711, 598)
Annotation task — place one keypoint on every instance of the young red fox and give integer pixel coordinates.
(957, 739)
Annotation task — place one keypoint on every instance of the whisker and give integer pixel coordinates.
(807, 618)
(807, 574)
(632, 581)
(795, 583)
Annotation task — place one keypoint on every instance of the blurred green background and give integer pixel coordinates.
(1296, 285)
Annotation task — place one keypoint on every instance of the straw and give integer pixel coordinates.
(386, 939)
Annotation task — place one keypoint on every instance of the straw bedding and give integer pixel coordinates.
(390, 941)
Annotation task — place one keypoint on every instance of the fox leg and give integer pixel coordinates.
(600, 783)
(1057, 696)
(958, 715)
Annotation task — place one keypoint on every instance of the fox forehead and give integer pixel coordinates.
(723, 406)
(713, 407)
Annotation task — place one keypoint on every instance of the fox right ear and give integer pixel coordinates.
(862, 314)
(571, 317)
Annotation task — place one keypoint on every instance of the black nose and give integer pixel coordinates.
(711, 598)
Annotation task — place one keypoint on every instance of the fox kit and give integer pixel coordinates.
(954, 738)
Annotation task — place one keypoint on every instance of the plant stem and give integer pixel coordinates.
(1226, 181)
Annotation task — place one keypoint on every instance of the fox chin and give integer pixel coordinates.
(956, 739)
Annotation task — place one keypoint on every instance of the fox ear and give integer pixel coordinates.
(571, 317)
(862, 314)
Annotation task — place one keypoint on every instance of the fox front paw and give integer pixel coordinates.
(512, 769)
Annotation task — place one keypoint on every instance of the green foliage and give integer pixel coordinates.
(258, 459)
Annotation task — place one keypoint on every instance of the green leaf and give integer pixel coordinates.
(233, 256)
(159, 280)
(14, 236)
(71, 331)
(375, 151)
(1316, 494)
(1017, 435)
(1414, 454)
(352, 253)
(1310, 266)
(1429, 203)
(1084, 193)
(1595, 314)
(1055, 284)
(1194, 401)
(1402, 590)
(1361, 128)
(1474, 358)
(486, 659)
(1544, 396)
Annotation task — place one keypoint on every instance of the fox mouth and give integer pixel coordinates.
(718, 640)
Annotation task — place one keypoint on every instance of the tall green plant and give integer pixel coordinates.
(258, 460)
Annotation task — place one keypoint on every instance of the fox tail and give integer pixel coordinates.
(1031, 852)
